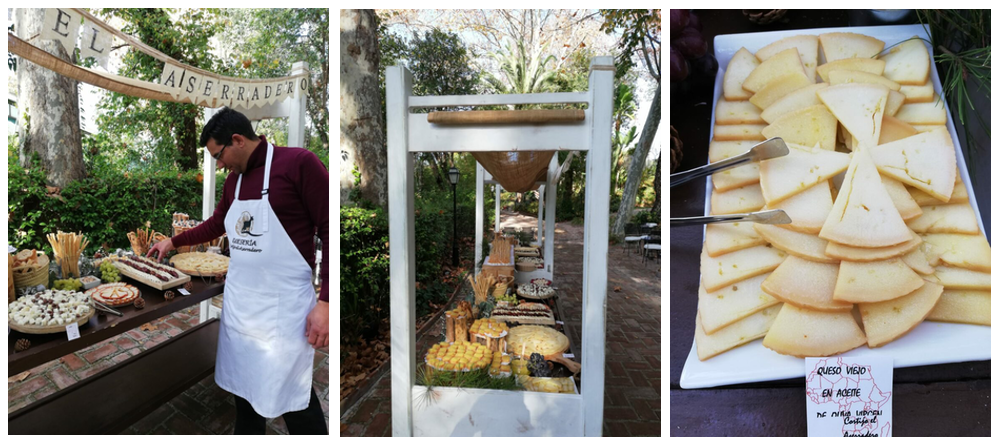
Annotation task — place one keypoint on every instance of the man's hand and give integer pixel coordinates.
(318, 325)
(161, 248)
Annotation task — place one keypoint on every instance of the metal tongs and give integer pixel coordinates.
(768, 149)
(102, 307)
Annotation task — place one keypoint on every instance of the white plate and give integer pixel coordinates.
(929, 343)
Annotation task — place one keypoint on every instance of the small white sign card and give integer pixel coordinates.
(849, 396)
(73, 331)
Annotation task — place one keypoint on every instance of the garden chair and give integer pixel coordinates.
(632, 236)
(650, 246)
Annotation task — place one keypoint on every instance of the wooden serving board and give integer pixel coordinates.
(162, 286)
(35, 329)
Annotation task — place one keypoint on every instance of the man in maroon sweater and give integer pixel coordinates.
(275, 201)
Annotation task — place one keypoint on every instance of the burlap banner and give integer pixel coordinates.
(182, 82)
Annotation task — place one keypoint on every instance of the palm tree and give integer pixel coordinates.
(522, 72)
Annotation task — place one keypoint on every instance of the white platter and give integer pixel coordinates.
(929, 343)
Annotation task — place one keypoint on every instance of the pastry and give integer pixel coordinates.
(458, 356)
(201, 263)
(149, 272)
(114, 294)
(525, 314)
(533, 291)
(489, 328)
(528, 339)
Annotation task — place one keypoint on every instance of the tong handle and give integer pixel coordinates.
(774, 217)
(702, 171)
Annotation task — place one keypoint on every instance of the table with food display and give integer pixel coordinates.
(66, 302)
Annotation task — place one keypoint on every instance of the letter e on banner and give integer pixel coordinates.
(62, 24)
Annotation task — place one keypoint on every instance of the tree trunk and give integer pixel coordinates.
(52, 104)
(566, 202)
(636, 167)
(656, 187)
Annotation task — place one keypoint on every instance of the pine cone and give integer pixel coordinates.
(220, 278)
(189, 286)
(676, 150)
(168, 296)
(22, 345)
(765, 16)
(139, 303)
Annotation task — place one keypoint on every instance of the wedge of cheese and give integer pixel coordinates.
(808, 209)
(928, 113)
(742, 63)
(737, 112)
(838, 46)
(858, 107)
(806, 44)
(850, 253)
(808, 127)
(802, 245)
(894, 103)
(949, 218)
(781, 64)
(748, 329)
(963, 251)
(740, 176)
(925, 161)
(796, 100)
(863, 214)
(779, 88)
(725, 270)
(803, 167)
(907, 207)
(887, 321)
(732, 303)
(894, 129)
(959, 195)
(917, 261)
(875, 281)
(860, 77)
(873, 66)
(959, 278)
(908, 62)
(918, 94)
(730, 132)
(725, 237)
(963, 307)
(805, 284)
(802, 332)
(739, 200)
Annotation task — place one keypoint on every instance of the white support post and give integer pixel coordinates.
(207, 208)
(479, 216)
(549, 244)
(541, 207)
(297, 110)
(497, 189)
(595, 244)
(402, 260)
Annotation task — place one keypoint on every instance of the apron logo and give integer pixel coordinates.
(244, 225)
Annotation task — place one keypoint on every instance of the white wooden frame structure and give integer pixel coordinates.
(452, 411)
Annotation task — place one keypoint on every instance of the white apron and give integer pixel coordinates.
(263, 355)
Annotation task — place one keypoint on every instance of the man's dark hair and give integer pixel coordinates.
(224, 124)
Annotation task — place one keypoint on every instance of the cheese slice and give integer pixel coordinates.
(738, 200)
(907, 207)
(838, 46)
(730, 132)
(887, 321)
(918, 94)
(894, 129)
(928, 113)
(863, 214)
(810, 126)
(732, 303)
(959, 278)
(924, 161)
(929, 127)
(780, 87)
(963, 251)
(742, 63)
(740, 176)
(803, 167)
(917, 261)
(875, 281)
(963, 307)
(908, 62)
(796, 100)
(959, 195)
(748, 329)
(803, 245)
(807, 46)
(725, 270)
(950, 218)
(801, 332)
(895, 101)
(859, 107)
(873, 66)
(725, 237)
(737, 112)
(859, 77)
(805, 284)
(850, 253)
(808, 209)
(781, 64)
